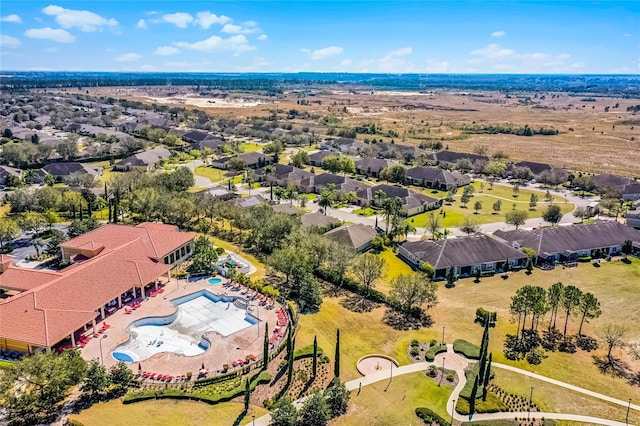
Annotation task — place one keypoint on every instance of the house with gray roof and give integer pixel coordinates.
(282, 175)
(318, 220)
(569, 243)
(316, 158)
(221, 192)
(628, 188)
(433, 177)
(63, 170)
(371, 166)
(6, 171)
(146, 160)
(355, 235)
(253, 160)
(316, 183)
(633, 218)
(286, 208)
(413, 203)
(465, 255)
(248, 202)
(398, 151)
(452, 157)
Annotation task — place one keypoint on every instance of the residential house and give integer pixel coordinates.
(346, 145)
(355, 235)
(248, 202)
(628, 189)
(282, 175)
(536, 168)
(318, 220)
(569, 243)
(316, 158)
(371, 166)
(221, 193)
(413, 203)
(93, 131)
(6, 171)
(147, 160)
(432, 177)
(252, 160)
(343, 185)
(47, 308)
(287, 209)
(63, 170)
(465, 255)
(451, 157)
(405, 153)
(633, 218)
(202, 140)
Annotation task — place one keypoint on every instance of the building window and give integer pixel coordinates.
(172, 258)
(166, 260)
(189, 248)
(182, 251)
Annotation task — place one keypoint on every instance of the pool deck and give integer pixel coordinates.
(223, 350)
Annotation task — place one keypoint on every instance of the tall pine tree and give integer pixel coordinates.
(315, 357)
(472, 398)
(487, 377)
(265, 348)
(247, 395)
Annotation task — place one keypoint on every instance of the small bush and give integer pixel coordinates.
(429, 417)
(483, 315)
(415, 352)
(467, 349)
(434, 350)
(584, 259)
(432, 371)
(415, 343)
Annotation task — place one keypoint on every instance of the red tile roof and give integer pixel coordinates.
(55, 304)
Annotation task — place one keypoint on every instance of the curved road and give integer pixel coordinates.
(423, 366)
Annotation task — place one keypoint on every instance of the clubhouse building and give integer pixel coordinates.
(109, 266)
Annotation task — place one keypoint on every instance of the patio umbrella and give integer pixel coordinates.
(139, 367)
(202, 368)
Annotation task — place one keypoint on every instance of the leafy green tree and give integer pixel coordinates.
(495, 169)
(452, 277)
(274, 149)
(49, 180)
(204, 255)
(9, 230)
(315, 411)
(516, 218)
(394, 173)
(552, 214)
(309, 297)
(554, 297)
(477, 206)
(121, 376)
(497, 206)
(412, 291)
(627, 248)
(332, 163)
(589, 307)
(33, 222)
(347, 165)
(285, 413)
(53, 245)
(392, 207)
(30, 389)
(300, 158)
(96, 380)
(533, 201)
(337, 397)
(327, 197)
(465, 198)
(433, 224)
(368, 268)
(79, 227)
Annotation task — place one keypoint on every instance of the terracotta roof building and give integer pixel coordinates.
(108, 264)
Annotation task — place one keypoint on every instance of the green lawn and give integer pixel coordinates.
(249, 147)
(4, 209)
(395, 267)
(614, 284)
(555, 399)
(164, 413)
(365, 211)
(455, 213)
(214, 175)
(397, 405)
(107, 171)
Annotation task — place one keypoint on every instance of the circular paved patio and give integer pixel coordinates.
(452, 361)
(375, 364)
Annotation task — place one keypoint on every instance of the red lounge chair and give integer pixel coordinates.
(106, 326)
(152, 376)
(252, 357)
(161, 290)
(127, 311)
(170, 378)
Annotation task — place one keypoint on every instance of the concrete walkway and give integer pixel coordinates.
(388, 374)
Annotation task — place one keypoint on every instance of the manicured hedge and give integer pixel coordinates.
(467, 349)
(471, 377)
(216, 379)
(429, 417)
(306, 352)
(584, 259)
(173, 393)
(434, 350)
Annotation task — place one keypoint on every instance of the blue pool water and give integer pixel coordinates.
(122, 357)
(215, 281)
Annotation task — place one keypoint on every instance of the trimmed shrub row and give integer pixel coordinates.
(217, 379)
(429, 417)
(171, 393)
(434, 350)
(467, 349)
(584, 259)
(306, 352)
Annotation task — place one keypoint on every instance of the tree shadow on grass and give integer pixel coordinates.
(357, 303)
(613, 366)
(401, 321)
(240, 417)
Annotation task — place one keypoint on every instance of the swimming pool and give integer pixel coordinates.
(215, 280)
(183, 331)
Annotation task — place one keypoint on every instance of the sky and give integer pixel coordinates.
(474, 36)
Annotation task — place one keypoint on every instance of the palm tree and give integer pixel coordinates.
(391, 207)
(327, 197)
(378, 196)
(268, 171)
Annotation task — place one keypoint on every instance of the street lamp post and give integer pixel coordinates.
(442, 375)
(253, 421)
(529, 408)
(104, 336)
(443, 334)
(628, 408)
(453, 408)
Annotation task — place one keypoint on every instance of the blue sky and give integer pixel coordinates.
(379, 36)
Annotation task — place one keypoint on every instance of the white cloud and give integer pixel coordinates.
(205, 19)
(249, 28)
(83, 19)
(9, 42)
(493, 51)
(166, 51)
(180, 19)
(326, 52)
(13, 18)
(147, 67)
(394, 61)
(47, 33)
(128, 57)
(626, 35)
(434, 65)
(236, 44)
(346, 63)
(52, 49)
(142, 24)
(401, 52)
(262, 37)
(498, 34)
